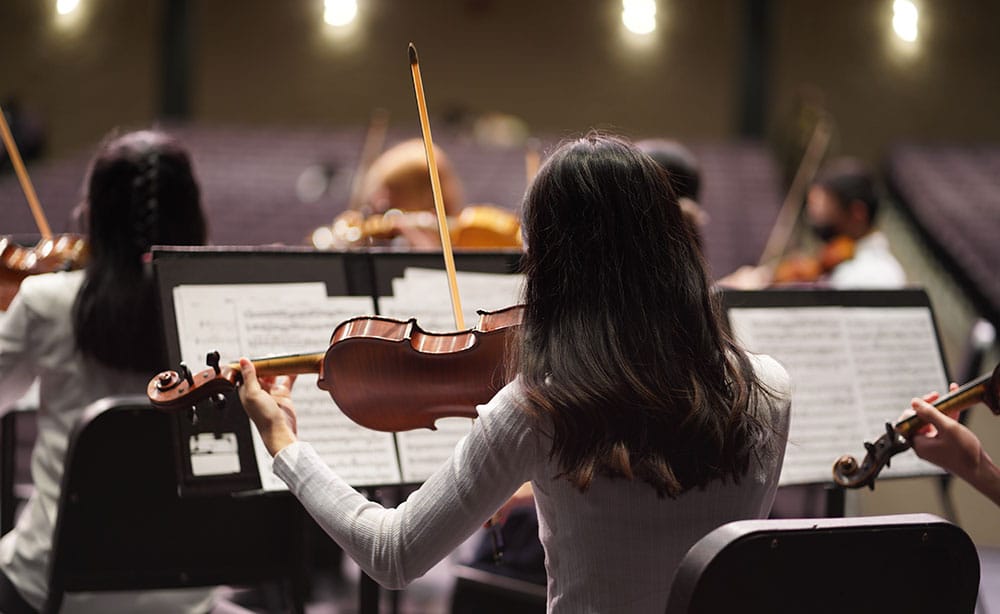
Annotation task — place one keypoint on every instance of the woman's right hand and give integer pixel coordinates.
(269, 405)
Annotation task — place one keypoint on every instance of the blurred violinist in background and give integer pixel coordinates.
(394, 206)
(91, 333)
(842, 205)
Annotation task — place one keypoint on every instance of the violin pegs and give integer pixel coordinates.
(212, 359)
(890, 430)
(186, 374)
(869, 447)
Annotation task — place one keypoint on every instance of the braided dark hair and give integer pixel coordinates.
(140, 192)
(145, 196)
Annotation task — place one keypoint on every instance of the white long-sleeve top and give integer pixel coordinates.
(611, 549)
(37, 341)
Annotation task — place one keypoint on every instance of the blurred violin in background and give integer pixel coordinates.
(800, 268)
(51, 253)
(392, 203)
(476, 227)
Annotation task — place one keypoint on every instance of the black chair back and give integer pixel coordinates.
(914, 563)
(122, 526)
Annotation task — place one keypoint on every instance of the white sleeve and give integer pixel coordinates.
(395, 546)
(17, 359)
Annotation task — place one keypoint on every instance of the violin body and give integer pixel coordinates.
(391, 375)
(805, 269)
(476, 227)
(384, 374)
(58, 253)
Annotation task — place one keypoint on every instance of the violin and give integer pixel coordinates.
(847, 472)
(476, 227)
(805, 269)
(52, 253)
(384, 374)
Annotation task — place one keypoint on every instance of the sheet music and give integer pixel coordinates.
(207, 315)
(360, 456)
(422, 451)
(424, 294)
(899, 351)
(811, 343)
(272, 319)
(852, 370)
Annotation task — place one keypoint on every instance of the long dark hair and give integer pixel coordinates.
(622, 346)
(141, 192)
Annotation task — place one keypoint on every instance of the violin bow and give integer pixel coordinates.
(22, 177)
(425, 127)
(781, 232)
(374, 141)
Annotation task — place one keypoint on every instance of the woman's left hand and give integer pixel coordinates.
(268, 402)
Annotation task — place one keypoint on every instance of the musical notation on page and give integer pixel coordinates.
(852, 369)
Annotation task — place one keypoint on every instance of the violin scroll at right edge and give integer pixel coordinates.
(847, 472)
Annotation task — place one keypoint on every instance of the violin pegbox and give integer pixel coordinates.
(183, 390)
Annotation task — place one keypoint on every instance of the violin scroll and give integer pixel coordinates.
(849, 474)
(182, 389)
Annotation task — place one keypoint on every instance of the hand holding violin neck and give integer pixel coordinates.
(847, 472)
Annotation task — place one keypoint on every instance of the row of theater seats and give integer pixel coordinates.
(248, 178)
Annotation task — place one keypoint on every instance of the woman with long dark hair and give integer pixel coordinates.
(90, 334)
(639, 423)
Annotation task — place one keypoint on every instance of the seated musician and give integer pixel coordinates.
(398, 181)
(89, 334)
(522, 555)
(947, 443)
(843, 202)
(639, 423)
(841, 208)
(685, 179)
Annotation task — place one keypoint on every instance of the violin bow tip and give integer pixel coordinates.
(413, 54)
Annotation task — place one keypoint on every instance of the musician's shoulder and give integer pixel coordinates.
(772, 374)
(51, 290)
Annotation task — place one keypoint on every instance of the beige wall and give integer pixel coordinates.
(947, 87)
(85, 75)
(563, 66)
